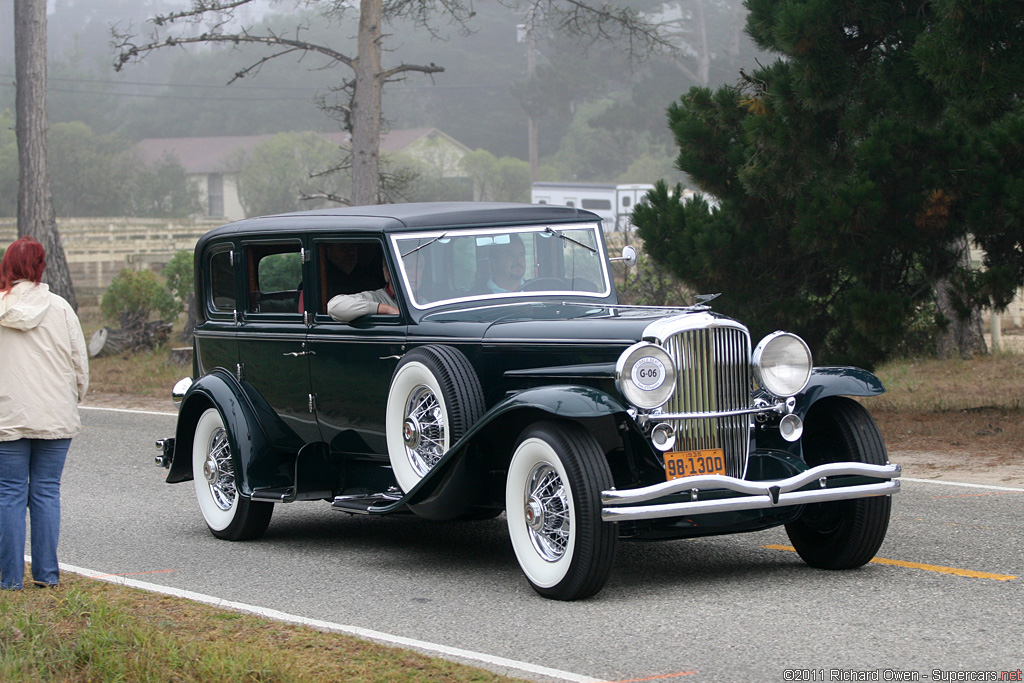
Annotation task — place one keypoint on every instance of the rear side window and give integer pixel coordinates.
(274, 277)
(222, 282)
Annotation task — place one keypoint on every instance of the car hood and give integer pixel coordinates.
(543, 322)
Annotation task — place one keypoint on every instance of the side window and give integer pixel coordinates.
(348, 267)
(222, 282)
(274, 277)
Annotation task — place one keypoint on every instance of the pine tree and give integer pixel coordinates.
(848, 173)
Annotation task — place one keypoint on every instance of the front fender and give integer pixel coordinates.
(462, 473)
(837, 381)
(252, 451)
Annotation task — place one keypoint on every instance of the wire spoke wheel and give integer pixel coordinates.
(435, 397)
(228, 514)
(553, 509)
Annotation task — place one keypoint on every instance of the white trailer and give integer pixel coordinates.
(613, 203)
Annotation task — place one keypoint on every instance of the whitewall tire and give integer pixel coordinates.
(553, 509)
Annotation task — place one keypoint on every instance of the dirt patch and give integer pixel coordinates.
(981, 446)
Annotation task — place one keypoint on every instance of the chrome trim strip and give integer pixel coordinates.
(660, 330)
(750, 503)
(664, 417)
(718, 481)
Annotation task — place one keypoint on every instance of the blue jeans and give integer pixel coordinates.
(30, 472)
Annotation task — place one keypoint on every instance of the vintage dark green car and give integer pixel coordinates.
(509, 380)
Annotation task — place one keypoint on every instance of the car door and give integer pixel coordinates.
(272, 348)
(351, 363)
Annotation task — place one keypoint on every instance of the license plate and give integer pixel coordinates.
(688, 463)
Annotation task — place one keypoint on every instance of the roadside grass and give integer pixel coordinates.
(87, 630)
(953, 405)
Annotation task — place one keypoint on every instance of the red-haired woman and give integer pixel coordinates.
(44, 373)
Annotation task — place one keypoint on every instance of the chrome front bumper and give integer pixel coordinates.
(752, 495)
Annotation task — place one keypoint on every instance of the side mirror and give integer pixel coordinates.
(628, 256)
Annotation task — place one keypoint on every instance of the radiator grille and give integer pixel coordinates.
(713, 369)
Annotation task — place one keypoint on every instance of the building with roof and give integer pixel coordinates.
(211, 163)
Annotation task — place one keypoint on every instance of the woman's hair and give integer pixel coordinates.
(25, 259)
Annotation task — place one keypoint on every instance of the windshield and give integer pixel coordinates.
(448, 265)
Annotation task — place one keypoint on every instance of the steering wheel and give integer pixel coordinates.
(541, 284)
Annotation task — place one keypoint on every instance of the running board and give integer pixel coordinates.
(286, 494)
(364, 504)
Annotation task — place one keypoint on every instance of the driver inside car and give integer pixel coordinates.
(508, 265)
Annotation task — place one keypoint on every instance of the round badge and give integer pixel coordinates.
(648, 373)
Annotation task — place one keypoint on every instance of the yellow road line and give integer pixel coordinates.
(658, 678)
(917, 565)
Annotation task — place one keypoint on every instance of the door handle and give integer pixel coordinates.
(296, 354)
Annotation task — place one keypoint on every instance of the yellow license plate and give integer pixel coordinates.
(688, 463)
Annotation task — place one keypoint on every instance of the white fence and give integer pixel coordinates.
(98, 248)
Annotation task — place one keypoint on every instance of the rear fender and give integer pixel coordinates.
(255, 458)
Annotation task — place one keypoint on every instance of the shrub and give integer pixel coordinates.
(139, 292)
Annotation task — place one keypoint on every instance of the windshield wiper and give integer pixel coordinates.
(425, 244)
(549, 231)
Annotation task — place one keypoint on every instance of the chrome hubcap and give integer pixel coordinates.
(423, 430)
(411, 433)
(210, 470)
(547, 512)
(534, 515)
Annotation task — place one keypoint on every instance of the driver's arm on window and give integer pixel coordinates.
(346, 307)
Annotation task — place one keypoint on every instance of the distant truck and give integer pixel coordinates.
(613, 203)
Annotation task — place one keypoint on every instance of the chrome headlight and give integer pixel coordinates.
(645, 375)
(782, 364)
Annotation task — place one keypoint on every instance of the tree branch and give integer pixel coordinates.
(129, 52)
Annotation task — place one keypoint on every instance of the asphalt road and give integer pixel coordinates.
(715, 609)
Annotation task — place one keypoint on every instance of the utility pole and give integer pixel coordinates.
(527, 34)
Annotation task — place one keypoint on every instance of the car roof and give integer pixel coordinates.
(406, 217)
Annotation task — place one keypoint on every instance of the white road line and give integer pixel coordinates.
(378, 636)
(127, 410)
(959, 483)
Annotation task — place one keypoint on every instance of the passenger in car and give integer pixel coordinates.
(349, 267)
(346, 307)
(508, 265)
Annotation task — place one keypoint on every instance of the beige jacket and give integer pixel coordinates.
(44, 366)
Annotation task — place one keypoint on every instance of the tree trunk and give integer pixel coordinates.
(190, 323)
(36, 217)
(963, 334)
(366, 106)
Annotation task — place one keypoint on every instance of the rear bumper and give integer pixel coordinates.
(728, 494)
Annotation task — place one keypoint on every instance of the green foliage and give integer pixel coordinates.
(139, 292)
(180, 275)
(280, 272)
(499, 180)
(648, 284)
(97, 175)
(276, 175)
(840, 171)
(161, 190)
